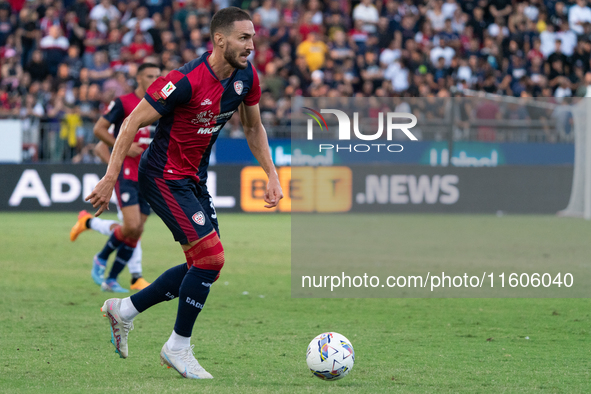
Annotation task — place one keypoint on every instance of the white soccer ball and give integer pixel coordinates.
(330, 356)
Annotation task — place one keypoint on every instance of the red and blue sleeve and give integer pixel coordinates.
(169, 92)
(254, 94)
(115, 112)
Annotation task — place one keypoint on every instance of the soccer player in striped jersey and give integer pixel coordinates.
(192, 105)
(131, 203)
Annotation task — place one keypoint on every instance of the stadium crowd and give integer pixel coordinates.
(63, 61)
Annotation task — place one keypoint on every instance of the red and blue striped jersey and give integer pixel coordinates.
(116, 112)
(194, 105)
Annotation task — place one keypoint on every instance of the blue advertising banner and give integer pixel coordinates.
(430, 153)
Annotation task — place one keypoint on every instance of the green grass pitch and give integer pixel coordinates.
(252, 336)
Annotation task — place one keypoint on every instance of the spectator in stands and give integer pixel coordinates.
(50, 20)
(139, 48)
(27, 34)
(398, 74)
(12, 71)
(336, 47)
(306, 26)
(6, 25)
(340, 48)
(567, 37)
(103, 13)
(435, 16)
(368, 14)
(196, 43)
(442, 50)
(94, 39)
(54, 47)
(273, 82)
(100, 70)
(577, 15)
(141, 21)
(37, 67)
(269, 15)
(82, 10)
(73, 31)
(500, 8)
(313, 50)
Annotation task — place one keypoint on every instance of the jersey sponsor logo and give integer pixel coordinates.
(199, 218)
(167, 90)
(203, 117)
(238, 87)
(206, 102)
(225, 115)
(209, 130)
(145, 140)
(207, 116)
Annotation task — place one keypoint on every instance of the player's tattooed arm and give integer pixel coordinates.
(256, 135)
(143, 115)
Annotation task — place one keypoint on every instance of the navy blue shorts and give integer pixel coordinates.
(128, 193)
(183, 205)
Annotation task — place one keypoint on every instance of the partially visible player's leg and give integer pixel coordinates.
(86, 222)
(166, 286)
(177, 204)
(113, 243)
(205, 256)
(81, 225)
(207, 203)
(135, 263)
(121, 312)
(135, 269)
(120, 326)
(129, 233)
(103, 226)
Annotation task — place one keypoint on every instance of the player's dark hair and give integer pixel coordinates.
(143, 66)
(225, 18)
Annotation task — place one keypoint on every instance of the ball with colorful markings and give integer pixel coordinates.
(330, 356)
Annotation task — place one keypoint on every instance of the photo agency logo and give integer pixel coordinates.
(392, 120)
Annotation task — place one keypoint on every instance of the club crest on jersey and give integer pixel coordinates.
(238, 86)
(199, 218)
(167, 90)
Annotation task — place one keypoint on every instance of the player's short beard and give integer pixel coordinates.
(232, 58)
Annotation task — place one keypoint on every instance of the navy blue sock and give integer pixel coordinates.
(112, 244)
(115, 270)
(165, 288)
(123, 255)
(192, 295)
